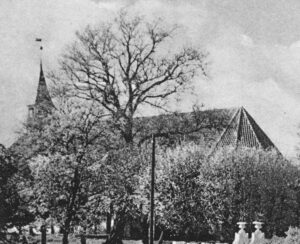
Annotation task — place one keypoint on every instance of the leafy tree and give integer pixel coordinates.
(126, 65)
(195, 193)
(293, 236)
(179, 199)
(66, 145)
(260, 185)
(121, 176)
(13, 208)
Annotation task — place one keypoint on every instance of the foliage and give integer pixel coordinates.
(66, 145)
(13, 209)
(178, 195)
(196, 192)
(260, 185)
(293, 236)
(124, 66)
(275, 240)
(120, 176)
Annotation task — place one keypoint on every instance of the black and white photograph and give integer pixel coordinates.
(150, 122)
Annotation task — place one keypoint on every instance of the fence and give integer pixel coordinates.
(241, 237)
(257, 237)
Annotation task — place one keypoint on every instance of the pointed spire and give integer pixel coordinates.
(43, 104)
(43, 95)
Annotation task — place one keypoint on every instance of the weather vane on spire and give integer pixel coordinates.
(41, 48)
(39, 40)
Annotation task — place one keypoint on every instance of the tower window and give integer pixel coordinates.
(31, 112)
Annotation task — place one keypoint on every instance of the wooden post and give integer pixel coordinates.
(82, 239)
(44, 234)
(108, 223)
(151, 222)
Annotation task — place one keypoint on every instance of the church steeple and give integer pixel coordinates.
(43, 104)
(43, 96)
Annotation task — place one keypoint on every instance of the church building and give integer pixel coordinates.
(232, 128)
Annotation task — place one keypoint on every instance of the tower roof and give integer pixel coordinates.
(243, 131)
(43, 97)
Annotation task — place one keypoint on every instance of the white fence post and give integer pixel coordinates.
(258, 237)
(241, 237)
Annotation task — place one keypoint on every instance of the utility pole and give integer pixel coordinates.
(151, 222)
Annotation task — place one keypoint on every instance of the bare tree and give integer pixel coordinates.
(122, 66)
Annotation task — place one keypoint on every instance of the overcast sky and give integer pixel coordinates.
(254, 48)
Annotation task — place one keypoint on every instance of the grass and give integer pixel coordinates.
(73, 240)
(53, 239)
(57, 239)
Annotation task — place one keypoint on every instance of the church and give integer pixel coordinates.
(217, 128)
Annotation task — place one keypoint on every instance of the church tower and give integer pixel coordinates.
(43, 104)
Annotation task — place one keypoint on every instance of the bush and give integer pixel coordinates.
(195, 193)
(276, 240)
(293, 236)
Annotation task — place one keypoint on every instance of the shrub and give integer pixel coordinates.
(195, 193)
(276, 240)
(293, 236)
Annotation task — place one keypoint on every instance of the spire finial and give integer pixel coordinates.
(41, 48)
(41, 59)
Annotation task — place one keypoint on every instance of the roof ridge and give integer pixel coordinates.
(239, 126)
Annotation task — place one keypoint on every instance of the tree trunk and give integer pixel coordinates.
(66, 231)
(117, 232)
(31, 231)
(128, 138)
(24, 240)
(128, 130)
(108, 223)
(145, 229)
(70, 209)
(161, 238)
(83, 238)
(65, 239)
(108, 219)
(20, 230)
(44, 234)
